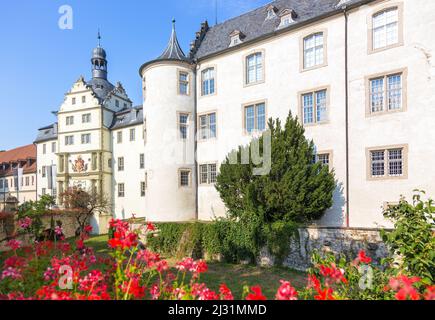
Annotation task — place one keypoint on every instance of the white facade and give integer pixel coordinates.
(300, 67)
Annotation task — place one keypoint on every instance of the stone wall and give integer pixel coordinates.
(347, 241)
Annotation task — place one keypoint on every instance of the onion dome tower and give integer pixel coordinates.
(101, 86)
(169, 113)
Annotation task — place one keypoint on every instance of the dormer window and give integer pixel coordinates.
(287, 17)
(236, 37)
(271, 12)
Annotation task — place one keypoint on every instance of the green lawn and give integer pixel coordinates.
(234, 276)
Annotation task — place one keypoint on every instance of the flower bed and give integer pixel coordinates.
(62, 270)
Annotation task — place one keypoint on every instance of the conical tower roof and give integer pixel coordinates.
(173, 51)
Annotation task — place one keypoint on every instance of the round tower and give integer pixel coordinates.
(169, 124)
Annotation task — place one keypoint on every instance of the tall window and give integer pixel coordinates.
(69, 140)
(73, 101)
(183, 83)
(313, 50)
(255, 117)
(183, 124)
(254, 68)
(387, 163)
(1, 183)
(44, 148)
(53, 147)
(132, 134)
(86, 118)
(208, 81)
(119, 137)
(44, 171)
(385, 28)
(207, 173)
(83, 99)
(86, 138)
(142, 161)
(70, 120)
(142, 189)
(121, 164)
(121, 190)
(185, 178)
(314, 107)
(207, 126)
(386, 93)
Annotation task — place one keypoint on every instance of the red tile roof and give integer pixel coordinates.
(19, 154)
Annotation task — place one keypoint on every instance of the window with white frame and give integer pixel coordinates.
(386, 93)
(70, 120)
(387, 163)
(69, 140)
(254, 68)
(86, 138)
(121, 190)
(207, 126)
(119, 137)
(314, 50)
(385, 28)
(185, 178)
(207, 173)
(86, 118)
(323, 158)
(314, 107)
(255, 117)
(132, 134)
(53, 147)
(44, 148)
(208, 81)
(121, 164)
(183, 125)
(83, 99)
(142, 189)
(183, 83)
(142, 161)
(73, 101)
(44, 171)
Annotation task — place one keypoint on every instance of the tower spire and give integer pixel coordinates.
(99, 62)
(99, 38)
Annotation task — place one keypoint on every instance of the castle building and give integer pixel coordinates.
(18, 175)
(359, 74)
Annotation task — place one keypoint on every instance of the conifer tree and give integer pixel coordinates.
(297, 189)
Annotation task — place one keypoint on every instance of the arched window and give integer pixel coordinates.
(385, 28)
(208, 81)
(314, 50)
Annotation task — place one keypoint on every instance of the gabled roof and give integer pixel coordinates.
(19, 154)
(255, 25)
(47, 133)
(127, 117)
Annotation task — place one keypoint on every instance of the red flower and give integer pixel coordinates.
(256, 294)
(404, 287)
(324, 294)
(362, 258)
(225, 292)
(14, 244)
(151, 227)
(430, 293)
(286, 292)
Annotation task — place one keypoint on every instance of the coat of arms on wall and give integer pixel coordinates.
(79, 165)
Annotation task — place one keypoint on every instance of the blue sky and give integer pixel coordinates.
(39, 62)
